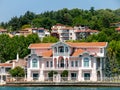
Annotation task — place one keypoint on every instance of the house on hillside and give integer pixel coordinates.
(84, 61)
(64, 33)
(118, 29)
(41, 32)
(25, 32)
(3, 31)
(82, 32)
(117, 24)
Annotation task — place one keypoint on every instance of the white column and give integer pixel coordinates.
(57, 62)
(1, 78)
(41, 76)
(64, 63)
(53, 63)
(79, 75)
(29, 78)
(69, 76)
(101, 75)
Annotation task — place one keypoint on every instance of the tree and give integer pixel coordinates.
(92, 10)
(112, 63)
(64, 73)
(14, 23)
(49, 39)
(51, 73)
(44, 22)
(17, 71)
(26, 26)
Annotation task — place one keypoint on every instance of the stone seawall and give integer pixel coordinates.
(76, 84)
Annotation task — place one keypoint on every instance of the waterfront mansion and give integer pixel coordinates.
(84, 61)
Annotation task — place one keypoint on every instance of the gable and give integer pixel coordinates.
(60, 44)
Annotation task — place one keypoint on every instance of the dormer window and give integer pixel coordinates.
(101, 50)
(61, 49)
(55, 49)
(34, 63)
(66, 49)
(86, 62)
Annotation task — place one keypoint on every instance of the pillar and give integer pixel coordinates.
(79, 75)
(57, 63)
(41, 76)
(101, 75)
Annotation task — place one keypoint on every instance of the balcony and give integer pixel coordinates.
(61, 68)
(61, 54)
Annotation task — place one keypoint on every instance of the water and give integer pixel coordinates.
(59, 88)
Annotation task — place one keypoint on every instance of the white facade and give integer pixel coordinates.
(41, 32)
(83, 61)
(72, 33)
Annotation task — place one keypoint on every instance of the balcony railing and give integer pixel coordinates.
(61, 54)
(61, 68)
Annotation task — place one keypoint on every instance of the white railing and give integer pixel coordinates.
(61, 68)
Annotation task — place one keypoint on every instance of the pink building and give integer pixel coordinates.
(83, 61)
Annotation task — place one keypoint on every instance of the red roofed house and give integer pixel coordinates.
(118, 29)
(65, 33)
(3, 31)
(5, 67)
(83, 61)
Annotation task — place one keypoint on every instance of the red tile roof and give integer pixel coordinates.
(40, 45)
(77, 52)
(118, 29)
(88, 44)
(79, 44)
(3, 30)
(88, 30)
(6, 64)
(47, 53)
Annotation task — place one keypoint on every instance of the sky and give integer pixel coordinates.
(11, 8)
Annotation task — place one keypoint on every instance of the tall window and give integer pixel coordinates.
(86, 62)
(66, 49)
(47, 64)
(76, 63)
(62, 62)
(55, 49)
(101, 50)
(51, 63)
(72, 64)
(34, 63)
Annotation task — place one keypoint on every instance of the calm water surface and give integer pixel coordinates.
(59, 88)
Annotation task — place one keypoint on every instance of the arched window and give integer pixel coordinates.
(61, 49)
(62, 62)
(86, 62)
(66, 49)
(55, 49)
(34, 63)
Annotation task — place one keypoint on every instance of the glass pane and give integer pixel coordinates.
(34, 63)
(86, 62)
